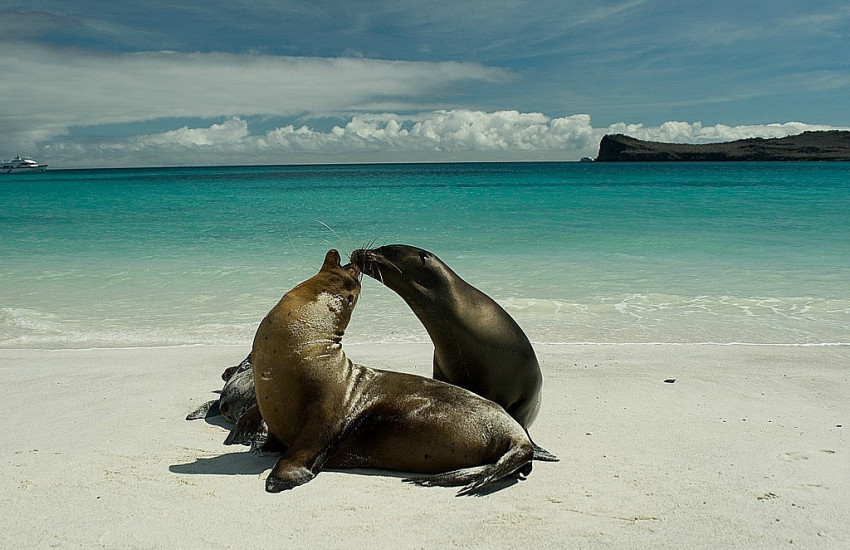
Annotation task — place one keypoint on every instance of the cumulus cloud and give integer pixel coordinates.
(227, 133)
(434, 135)
(445, 135)
(442, 131)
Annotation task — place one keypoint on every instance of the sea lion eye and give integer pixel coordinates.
(423, 256)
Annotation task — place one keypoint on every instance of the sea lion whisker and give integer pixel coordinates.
(397, 268)
(371, 244)
(342, 242)
(301, 259)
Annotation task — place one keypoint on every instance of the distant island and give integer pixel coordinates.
(808, 146)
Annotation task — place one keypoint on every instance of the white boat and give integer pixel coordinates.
(21, 164)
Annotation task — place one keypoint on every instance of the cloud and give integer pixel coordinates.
(228, 133)
(443, 135)
(686, 132)
(435, 135)
(56, 89)
(443, 131)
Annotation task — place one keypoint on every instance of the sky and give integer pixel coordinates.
(93, 83)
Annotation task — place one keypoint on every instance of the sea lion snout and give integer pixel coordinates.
(382, 264)
(364, 260)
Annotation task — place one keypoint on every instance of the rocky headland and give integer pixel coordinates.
(833, 145)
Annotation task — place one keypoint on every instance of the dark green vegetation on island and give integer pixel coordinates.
(808, 146)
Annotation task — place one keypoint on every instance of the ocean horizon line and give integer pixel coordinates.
(439, 163)
(318, 164)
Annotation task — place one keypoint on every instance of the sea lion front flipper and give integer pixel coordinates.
(287, 474)
(207, 410)
(247, 428)
(305, 458)
(298, 465)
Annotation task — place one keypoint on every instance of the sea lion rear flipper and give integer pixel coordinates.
(543, 455)
(207, 410)
(516, 462)
(249, 425)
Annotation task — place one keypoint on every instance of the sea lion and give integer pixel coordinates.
(237, 395)
(330, 412)
(477, 344)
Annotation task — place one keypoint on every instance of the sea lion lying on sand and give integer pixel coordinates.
(237, 395)
(477, 344)
(329, 412)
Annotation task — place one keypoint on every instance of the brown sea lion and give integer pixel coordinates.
(477, 344)
(331, 413)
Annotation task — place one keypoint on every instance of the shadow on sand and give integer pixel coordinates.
(248, 463)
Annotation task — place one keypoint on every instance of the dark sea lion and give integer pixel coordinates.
(329, 412)
(477, 344)
(237, 395)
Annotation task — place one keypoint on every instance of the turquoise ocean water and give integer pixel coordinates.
(576, 252)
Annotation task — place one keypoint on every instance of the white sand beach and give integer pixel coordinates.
(749, 447)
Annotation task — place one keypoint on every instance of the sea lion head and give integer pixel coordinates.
(342, 280)
(237, 396)
(322, 305)
(407, 270)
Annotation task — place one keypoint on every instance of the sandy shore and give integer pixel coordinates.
(748, 448)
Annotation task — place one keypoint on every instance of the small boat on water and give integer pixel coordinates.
(21, 164)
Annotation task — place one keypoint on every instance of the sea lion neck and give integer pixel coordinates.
(315, 314)
(313, 326)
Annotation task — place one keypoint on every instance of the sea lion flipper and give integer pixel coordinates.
(287, 474)
(540, 453)
(543, 455)
(448, 479)
(207, 410)
(517, 461)
(249, 425)
(299, 464)
(305, 458)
